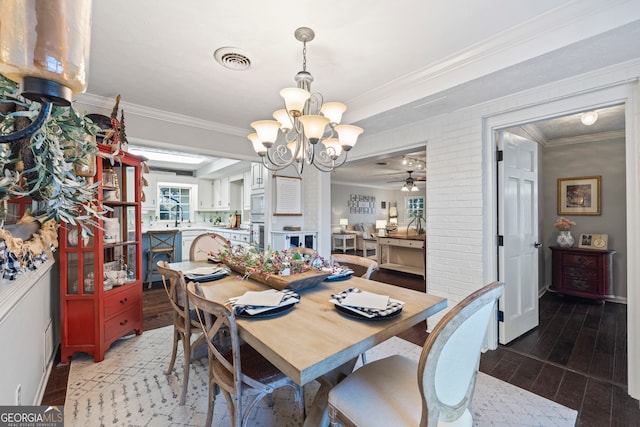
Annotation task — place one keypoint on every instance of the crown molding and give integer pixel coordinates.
(102, 102)
(557, 28)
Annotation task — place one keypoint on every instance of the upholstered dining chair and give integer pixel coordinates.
(435, 391)
(185, 321)
(242, 374)
(205, 244)
(356, 260)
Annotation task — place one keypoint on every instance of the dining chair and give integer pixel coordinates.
(205, 244)
(242, 374)
(435, 391)
(161, 247)
(360, 261)
(355, 260)
(185, 321)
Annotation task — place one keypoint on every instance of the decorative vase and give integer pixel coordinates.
(565, 239)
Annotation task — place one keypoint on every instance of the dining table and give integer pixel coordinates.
(315, 341)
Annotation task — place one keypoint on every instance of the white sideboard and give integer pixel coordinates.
(287, 239)
(29, 335)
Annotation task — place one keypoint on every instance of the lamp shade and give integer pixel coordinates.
(333, 111)
(293, 146)
(294, 99)
(314, 126)
(267, 131)
(283, 118)
(46, 41)
(381, 223)
(348, 135)
(344, 221)
(260, 149)
(333, 147)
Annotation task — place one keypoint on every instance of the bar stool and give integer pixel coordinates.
(161, 247)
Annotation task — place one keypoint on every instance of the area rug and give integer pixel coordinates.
(129, 388)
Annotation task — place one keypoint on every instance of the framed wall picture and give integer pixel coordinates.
(579, 196)
(593, 241)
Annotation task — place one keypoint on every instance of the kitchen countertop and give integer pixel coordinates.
(195, 227)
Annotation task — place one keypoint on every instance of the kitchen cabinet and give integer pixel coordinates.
(205, 195)
(246, 191)
(221, 199)
(257, 176)
(188, 236)
(586, 273)
(281, 240)
(150, 193)
(101, 271)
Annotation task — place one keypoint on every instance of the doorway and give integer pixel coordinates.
(522, 119)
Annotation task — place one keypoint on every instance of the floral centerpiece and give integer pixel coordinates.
(564, 224)
(278, 269)
(565, 239)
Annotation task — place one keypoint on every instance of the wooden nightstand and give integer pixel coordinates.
(586, 273)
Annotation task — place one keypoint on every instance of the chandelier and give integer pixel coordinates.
(312, 133)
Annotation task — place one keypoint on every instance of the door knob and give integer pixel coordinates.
(537, 245)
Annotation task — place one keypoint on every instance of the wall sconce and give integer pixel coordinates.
(46, 50)
(343, 224)
(381, 225)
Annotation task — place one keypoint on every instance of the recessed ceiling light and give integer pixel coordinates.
(589, 118)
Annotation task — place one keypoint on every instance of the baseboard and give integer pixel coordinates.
(615, 299)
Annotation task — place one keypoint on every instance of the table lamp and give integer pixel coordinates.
(381, 225)
(343, 224)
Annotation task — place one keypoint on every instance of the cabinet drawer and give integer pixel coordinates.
(122, 323)
(388, 241)
(117, 301)
(580, 273)
(411, 243)
(589, 286)
(580, 260)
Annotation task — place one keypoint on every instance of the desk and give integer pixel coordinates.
(315, 341)
(343, 239)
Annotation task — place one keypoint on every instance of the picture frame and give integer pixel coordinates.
(579, 195)
(593, 241)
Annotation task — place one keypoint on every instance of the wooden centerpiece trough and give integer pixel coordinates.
(295, 282)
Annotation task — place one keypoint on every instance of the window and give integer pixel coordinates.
(175, 203)
(415, 207)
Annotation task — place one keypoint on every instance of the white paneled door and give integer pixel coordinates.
(518, 226)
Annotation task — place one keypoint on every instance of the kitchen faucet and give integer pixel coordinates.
(178, 211)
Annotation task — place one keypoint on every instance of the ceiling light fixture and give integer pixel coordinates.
(304, 122)
(409, 184)
(589, 118)
(47, 51)
(166, 156)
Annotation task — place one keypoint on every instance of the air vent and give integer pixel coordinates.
(232, 58)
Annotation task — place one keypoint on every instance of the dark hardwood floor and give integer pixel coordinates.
(577, 356)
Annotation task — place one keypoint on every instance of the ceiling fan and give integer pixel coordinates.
(410, 183)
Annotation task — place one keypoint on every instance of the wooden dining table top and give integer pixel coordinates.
(315, 338)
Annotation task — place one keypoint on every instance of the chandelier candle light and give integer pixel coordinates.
(305, 121)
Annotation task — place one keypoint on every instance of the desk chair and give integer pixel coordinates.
(436, 390)
(237, 370)
(205, 244)
(367, 263)
(161, 245)
(185, 321)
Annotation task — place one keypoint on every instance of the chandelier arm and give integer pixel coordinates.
(279, 152)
